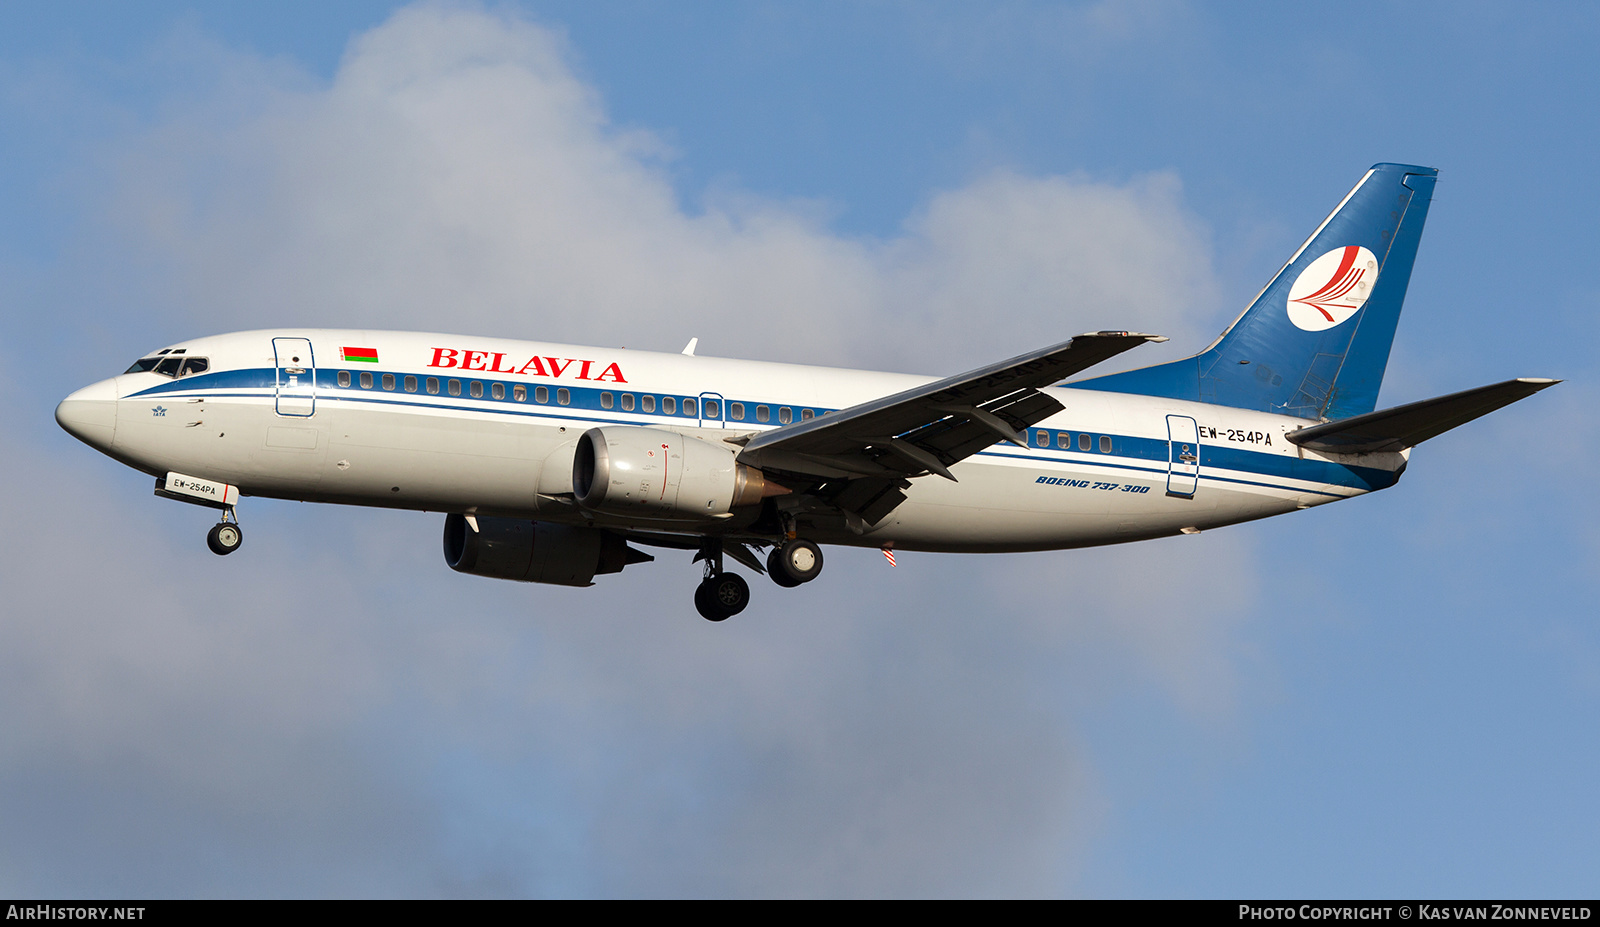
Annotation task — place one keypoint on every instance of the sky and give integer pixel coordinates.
(1393, 696)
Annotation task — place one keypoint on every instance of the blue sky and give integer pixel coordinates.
(1391, 696)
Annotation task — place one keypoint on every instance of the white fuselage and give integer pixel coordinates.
(485, 426)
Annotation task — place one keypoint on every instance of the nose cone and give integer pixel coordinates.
(90, 414)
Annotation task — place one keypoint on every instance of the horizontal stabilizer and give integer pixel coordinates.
(1411, 424)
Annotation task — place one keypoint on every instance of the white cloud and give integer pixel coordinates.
(455, 174)
(1050, 257)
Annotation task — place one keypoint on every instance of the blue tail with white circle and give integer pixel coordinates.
(1315, 342)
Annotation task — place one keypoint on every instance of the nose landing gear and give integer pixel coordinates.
(225, 536)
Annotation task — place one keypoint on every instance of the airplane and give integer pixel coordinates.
(556, 463)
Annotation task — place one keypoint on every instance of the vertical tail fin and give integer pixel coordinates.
(1316, 340)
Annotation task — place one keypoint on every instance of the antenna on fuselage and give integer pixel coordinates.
(688, 349)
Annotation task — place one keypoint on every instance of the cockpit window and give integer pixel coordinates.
(170, 363)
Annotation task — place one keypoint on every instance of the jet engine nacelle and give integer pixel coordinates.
(534, 551)
(647, 471)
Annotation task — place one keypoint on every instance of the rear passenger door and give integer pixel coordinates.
(1183, 456)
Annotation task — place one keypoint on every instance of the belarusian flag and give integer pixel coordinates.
(360, 355)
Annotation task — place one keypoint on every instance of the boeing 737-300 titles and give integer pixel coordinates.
(557, 464)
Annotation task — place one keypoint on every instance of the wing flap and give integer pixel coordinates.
(1409, 425)
(968, 431)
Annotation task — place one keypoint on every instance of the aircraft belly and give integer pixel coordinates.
(151, 437)
(239, 441)
(1008, 508)
(423, 460)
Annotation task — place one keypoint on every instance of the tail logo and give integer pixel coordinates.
(1332, 288)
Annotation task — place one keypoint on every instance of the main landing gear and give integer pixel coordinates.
(225, 536)
(721, 595)
(794, 562)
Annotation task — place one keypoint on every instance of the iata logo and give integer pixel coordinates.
(1332, 288)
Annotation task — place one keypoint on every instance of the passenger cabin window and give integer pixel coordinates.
(627, 402)
(1083, 442)
(763, 413)
(1042, 439)
(736, 411)
(475, 389)
(669, 405)
(713, 409)
(344, 378)
(806, 414)
(1064, 440)
(366, 380)
(411, 384)
(519, 393)
(454, 387)
(433, 386)
(647, 403)
(1105, 444)
(388, 381)
(541, 394)
(785, 415)
(606, 400)
(688, 406)
(564, 396)
(498, 391)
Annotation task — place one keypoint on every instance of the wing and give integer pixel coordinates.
(931, 427)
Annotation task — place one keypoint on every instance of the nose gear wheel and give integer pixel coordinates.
(224, 538)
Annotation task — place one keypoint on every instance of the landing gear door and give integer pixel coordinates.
(1183, 456)
(297, 377)
(712, 410)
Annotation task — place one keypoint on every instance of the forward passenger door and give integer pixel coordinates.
(297, 377)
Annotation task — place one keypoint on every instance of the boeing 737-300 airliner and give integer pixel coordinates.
(555, 463)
